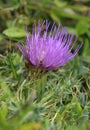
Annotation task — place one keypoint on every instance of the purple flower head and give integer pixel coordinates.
(49, 48)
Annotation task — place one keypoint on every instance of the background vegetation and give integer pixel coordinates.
(59, 100)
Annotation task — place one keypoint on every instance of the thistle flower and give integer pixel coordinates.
(49, 48)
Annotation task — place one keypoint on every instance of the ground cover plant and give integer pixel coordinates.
(53, 99)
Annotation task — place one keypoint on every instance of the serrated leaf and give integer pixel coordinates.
(15, 32)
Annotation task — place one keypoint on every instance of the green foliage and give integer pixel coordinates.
(43, 101)
(57, 100)
(15, 32)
